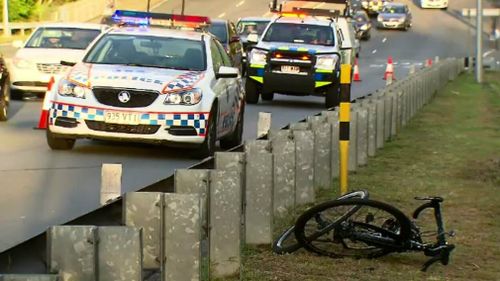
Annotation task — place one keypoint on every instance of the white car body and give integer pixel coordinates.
(436, 4)
(154, 122)
(350, 46)
(31, 68)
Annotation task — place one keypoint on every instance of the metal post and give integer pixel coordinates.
(149, 5)
(479, 42)
(6, 28)
(183, 6)
(344, 120)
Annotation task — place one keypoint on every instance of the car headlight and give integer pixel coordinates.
(258, 56)
(69, 89)
(189, 97)
(402, 19)
(22, 63)
(327, 62)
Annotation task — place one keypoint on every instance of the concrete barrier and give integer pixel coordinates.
(71, 252)
(119, 253)
(283, 148)
(145, 210)
(322, 151)
(353, 139)
(362, 136)
(259, 198)
(29, 277)
(225, 222)
(304, 167)
(111, 182)
(182, 237)
(332, 118)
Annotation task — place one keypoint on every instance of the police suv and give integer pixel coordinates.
(141, 83)
(298, 54)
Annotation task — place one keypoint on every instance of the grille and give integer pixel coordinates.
(279, 58)
(50, 68)
(118, 128)
(109, 96)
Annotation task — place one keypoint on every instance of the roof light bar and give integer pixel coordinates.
(168, 20)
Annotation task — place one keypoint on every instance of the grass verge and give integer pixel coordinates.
(450, 149)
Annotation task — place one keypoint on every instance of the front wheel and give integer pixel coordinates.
(207, 148)
(59, 143)
(252, 92)
(268, 96)
(359, 228)
(236, 136)
(332, 95)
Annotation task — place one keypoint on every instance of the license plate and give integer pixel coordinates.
(290, 69)
(124, 118)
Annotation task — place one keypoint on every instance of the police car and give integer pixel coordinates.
(141, 83)
(298, 54)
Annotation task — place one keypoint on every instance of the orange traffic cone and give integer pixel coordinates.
(389, 70)
(44, 115)
(428, 63)
(356, 72)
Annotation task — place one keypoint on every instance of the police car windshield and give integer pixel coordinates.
(62, 38)
(148, 51)
(300, 33)
(248, 27)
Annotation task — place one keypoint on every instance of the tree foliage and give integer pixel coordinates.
(21, 10)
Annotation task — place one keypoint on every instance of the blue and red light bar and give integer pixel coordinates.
(147, 18)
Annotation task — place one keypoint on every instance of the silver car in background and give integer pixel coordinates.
(394, 16)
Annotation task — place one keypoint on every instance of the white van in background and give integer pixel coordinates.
(436, 4)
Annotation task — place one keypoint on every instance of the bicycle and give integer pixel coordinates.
(365, 228)
(286, 242)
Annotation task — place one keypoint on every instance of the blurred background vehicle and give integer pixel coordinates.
(362, 25)
(439, 4)
(250, 25)
(394, 16)
(4, 91)
(40, 57)
(225, 31)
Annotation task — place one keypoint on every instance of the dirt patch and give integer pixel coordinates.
(487, 171)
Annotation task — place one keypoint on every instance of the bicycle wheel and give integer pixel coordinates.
(353, 227)
(286, 242)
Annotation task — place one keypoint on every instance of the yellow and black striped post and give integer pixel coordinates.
(344, 119)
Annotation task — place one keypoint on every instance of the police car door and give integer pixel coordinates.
(220, 88)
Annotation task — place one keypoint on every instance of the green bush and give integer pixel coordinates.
(22, 10)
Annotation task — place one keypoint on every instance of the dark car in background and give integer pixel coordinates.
(362, 25)
(4, 91)
(394, 16)
(225, 31)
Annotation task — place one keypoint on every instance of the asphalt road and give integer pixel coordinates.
(40, 187)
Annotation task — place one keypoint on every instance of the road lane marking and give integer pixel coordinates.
(221, 15)
(385, 39)
(240, 3)
(374, 51)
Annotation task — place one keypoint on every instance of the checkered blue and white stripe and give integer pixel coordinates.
(198, 120)
(183, 82)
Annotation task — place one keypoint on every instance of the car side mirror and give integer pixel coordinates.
(253, 38)
(18, 44)
(68, 63)
(227, 72)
